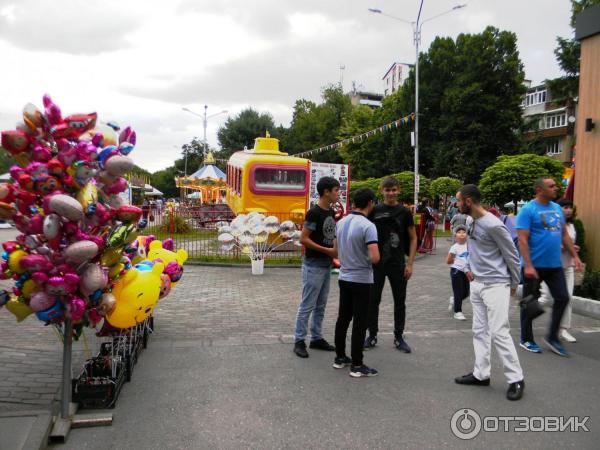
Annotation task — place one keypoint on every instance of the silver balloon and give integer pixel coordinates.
(221, 224)
(271, 220)
(257, 229)
(226, 238)
(273, 228)
(246, 238)
(227, 247)
(224, 229)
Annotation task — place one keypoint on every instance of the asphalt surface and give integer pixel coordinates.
(219, 373)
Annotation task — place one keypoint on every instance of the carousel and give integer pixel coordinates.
(205, 186)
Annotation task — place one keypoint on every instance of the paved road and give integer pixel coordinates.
(219, 372)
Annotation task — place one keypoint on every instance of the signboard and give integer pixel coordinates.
(340, 172)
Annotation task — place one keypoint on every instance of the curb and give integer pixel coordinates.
(25, 430)
(586, 307)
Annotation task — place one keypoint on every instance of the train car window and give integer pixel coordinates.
(288, 179)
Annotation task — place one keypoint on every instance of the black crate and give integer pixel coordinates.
(96, 387)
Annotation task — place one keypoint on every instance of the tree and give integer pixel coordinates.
(470, 94)
(406, 181)
(568, 53)
(318, 125)
(511, 178)
(444, 187)
(241, 131)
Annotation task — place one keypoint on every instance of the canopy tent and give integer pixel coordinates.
(5, 177)
(151, 191)
(209, 181)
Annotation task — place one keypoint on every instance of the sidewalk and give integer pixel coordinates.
(219, 372)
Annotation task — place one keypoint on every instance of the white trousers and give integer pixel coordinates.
(546, 297)
(490, 323)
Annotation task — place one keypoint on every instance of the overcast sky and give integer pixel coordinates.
(138, 62)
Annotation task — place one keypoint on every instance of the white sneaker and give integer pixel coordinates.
(567, 336)
(451, 305)
(459, 316)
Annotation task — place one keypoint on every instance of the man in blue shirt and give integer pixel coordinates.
(542, 233)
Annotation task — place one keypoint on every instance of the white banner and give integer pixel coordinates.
(340, 172)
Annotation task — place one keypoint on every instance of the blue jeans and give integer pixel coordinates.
(315, 289)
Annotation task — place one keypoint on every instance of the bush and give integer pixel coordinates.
(590, 288)
(175, 224)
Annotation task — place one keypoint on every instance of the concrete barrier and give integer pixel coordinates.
(586, 307)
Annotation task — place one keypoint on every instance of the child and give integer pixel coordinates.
(458, 257)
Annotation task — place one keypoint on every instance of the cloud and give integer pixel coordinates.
(69, 26)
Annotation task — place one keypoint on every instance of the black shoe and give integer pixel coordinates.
(362, 371)
(515, 390)
(322, 344)
(402, 345)
(300, 349)
(340, 363)
(470, 379)
(370, 342)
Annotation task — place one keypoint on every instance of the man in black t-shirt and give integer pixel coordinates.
(397, 237)
(318, 237)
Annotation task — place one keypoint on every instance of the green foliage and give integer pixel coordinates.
(317, 125)
(511, 178)
(406, 181)
(241, 131)
(445, 186)
(164, 181)
(175, 224)
(568, 54)
(590, 288)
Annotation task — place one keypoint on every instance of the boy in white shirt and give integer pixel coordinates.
(460, 275)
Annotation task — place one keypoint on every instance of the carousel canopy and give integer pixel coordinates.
(208, 172)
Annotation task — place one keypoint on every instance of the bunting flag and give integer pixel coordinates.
(359, 137)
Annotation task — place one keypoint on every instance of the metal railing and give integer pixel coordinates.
(194, 228)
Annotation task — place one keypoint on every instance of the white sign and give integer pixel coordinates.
(418, 183)
(340, 172)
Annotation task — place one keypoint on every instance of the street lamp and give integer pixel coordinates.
(204, 121)
(416, 27)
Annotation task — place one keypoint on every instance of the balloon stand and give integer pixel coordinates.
(68, 418)
(100, 382)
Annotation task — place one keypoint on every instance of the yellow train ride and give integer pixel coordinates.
(267, 180)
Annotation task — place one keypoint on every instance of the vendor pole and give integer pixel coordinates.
(68, 419)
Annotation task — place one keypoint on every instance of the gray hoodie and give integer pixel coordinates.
(493, 257)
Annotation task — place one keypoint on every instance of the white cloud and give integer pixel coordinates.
(138, 62)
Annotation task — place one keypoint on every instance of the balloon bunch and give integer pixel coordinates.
(72, 258)
(251, 234)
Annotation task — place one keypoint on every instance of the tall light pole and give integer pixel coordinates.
(416, 27)
(204, 124)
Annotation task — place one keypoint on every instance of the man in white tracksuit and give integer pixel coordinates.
(495, 268)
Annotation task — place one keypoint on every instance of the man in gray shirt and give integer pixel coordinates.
(495, 267)
(358, 251)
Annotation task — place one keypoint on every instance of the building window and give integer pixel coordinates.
(535, 98)
(556, 120)
(554, 148)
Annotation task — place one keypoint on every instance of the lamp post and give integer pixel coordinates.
(416, 27)
(204, 123)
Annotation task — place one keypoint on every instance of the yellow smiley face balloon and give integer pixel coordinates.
(136, 294)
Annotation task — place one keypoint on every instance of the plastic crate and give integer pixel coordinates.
(100, 383)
